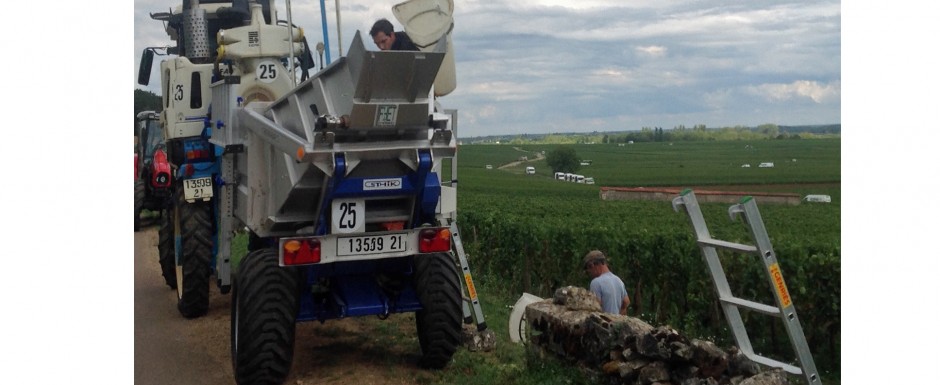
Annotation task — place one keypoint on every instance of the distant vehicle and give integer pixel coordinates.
(818, 198)
(560, 176)
(766, 165)
(746, 165)
(489, 167)
(530, 170)
(588, 180)
(579, 178)
(586, 162)
(152, 173)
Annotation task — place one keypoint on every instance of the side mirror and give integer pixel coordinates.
(146, 63)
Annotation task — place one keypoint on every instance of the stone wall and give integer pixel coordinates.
(625, 350)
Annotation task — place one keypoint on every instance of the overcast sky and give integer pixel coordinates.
(542, 66)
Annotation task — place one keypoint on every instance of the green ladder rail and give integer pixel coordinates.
(730, 304)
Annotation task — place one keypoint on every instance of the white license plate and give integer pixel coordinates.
(371, 244)
(198, 188)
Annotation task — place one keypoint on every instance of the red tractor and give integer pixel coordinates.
(151, 168)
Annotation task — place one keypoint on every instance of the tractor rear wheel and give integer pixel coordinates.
(437, 284)
(193, 227)
(166, 250)
(139, 193)
(265, 302)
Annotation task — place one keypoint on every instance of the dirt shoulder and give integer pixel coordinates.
(169, 349)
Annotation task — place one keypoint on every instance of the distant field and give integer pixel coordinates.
(800, 167)
(686, 163)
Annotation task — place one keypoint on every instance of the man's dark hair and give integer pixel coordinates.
(382, 25)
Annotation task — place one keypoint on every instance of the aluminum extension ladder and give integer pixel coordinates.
(730, 304)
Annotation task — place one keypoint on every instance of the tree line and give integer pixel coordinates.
(146, 101)
(679, 133)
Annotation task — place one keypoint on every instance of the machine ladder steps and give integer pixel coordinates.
(730, 304)
(472, 311)
(471, 299)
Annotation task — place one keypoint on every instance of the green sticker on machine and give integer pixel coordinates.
(386, 115)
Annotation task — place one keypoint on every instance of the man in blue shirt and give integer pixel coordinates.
(608, 288)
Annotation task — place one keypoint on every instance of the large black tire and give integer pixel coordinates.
(193, 256)
(139, 193)
(437, 284)
(265, 302)
(166, 249)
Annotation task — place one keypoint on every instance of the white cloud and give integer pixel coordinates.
(500, 91)
(607, 74)
(819, 93)
(652, 50)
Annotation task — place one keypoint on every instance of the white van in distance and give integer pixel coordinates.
(818, 198)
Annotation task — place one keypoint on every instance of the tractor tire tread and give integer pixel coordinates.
(264, 313)
(437, 284)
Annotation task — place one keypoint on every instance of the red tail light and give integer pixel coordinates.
(161, 170)
(301, 251)
(393, 226)
(197, 154)
(434, 240)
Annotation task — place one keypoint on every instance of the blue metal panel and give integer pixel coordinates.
(430, 197)
(351, 289)
(358, 295)
(423, 185)
(326, 34)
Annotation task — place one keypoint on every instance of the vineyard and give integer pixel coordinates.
(528, 233)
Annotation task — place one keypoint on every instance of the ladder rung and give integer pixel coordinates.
(776, 364)
(758, 307)
(728, 245)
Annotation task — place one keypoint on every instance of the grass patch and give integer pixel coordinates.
(508, 363)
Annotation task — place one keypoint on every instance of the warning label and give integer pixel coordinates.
(780, 286)
(470, 289)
